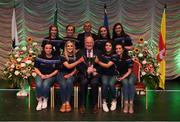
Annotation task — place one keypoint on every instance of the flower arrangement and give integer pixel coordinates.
(20, 65)
(149, 63)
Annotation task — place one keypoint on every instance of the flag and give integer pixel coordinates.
(55, 16)
(106, 24)
(162, 50)
(14, 33)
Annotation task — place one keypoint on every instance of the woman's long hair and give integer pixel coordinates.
(111, 42)
(99, 33)
(66, 53)
(57, 35)
(125, 52)
(43, 53)
(74, 29)
(122, 34)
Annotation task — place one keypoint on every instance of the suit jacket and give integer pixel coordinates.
(81, 38)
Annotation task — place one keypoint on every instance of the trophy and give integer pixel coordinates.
(90, 62)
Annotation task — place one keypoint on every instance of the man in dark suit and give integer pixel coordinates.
(88, 74)
(87, 31)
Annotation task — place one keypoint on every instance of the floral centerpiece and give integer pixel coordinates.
(149, 63)
(20, 65)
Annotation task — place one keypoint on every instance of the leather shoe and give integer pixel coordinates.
(82, 110)
(95, 110)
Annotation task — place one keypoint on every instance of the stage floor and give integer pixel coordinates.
(162, 106)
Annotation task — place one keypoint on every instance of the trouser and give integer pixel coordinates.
(94, 82)
(66, 87)
(108, 83)
(43, 86)
(129, 87)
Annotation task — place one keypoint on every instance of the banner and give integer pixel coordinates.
(162, 50)
(14, 33)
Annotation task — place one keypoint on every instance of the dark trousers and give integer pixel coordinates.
(84, 81)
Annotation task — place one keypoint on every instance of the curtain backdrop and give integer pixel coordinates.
(140, 18)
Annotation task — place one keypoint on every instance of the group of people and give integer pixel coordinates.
(92, 60)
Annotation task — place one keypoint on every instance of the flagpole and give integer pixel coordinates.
(106, 23)
(55, 16)
(104, 5)
(13, 41)
(14, 4)
(165, 6)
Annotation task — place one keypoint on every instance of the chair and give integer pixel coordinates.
(99, 97)
(140, 87)
(76, 87)
(76, 91)
(118, 87)
(136, 70)
(54, 86)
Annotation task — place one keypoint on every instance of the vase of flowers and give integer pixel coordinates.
(20, 65)
(149, 64)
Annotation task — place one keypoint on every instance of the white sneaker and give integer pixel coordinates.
(113, 105)
(105, 107)
(39, 106)
(44, 103)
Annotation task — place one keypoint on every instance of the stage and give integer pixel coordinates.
(162, 106)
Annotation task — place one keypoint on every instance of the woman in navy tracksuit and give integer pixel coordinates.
(108, 77)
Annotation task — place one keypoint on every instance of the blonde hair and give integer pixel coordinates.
(66, 53)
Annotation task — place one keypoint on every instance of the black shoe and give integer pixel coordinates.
(95, 109)
(82, 110)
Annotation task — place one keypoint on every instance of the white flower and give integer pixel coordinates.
(24, 48)
(140, 55)
(34, 74)
(16, 72)
(140, 45)
(143, 73)
(157, 74)
(145, 42)
(16, 48)
(130, 51)
(31, 51)
(34, 43)
(24, 76)
(12, 66)
(28, 74)
(32, 63)
(23, 64)
(6, 64)
(11, 69)
(10, 76)
(28, 62)
(5, 72)
(16, 55)
(19, 59)
(24, 71)
(144, 62)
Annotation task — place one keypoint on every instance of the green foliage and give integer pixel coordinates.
(151, 81)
